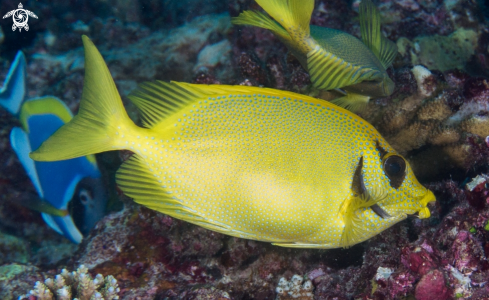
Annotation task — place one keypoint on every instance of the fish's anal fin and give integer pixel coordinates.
(305, 245)
(384, 49)
(352, 102)
(328, 71)
(137, 180)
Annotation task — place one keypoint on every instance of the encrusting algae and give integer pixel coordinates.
(333, 58)
(249, 162)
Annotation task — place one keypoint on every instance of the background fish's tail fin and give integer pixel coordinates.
(261, 20)
(294, 17)
(94, 129)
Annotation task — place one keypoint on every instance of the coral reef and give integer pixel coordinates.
(77, 284)
(294, 289)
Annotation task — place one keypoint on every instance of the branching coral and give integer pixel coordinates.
(77, 284)
(440, 127)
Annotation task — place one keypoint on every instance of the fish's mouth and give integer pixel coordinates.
(424, 212)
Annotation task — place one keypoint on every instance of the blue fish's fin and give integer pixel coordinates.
(51, 223)
(22, 147)
(13, 91)
(384, 49)
(329, 71)
(258, 19)
(352, 102)
(64, 226)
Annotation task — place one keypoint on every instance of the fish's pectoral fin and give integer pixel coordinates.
(384, 49)
(328, 71)
(352, 102)
(354, 231)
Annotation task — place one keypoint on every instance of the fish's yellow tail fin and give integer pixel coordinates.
(293, 16)
(261, 20)
(94, 128)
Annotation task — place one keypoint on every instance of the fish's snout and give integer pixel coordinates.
(424, 212)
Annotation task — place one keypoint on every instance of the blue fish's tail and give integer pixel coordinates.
(13, 91)
(100, 117)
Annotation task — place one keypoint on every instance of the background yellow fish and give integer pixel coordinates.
(333, 58)
(250, 162)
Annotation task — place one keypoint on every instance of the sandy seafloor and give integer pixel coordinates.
(438, 118)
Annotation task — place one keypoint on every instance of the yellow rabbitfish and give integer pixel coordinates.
(249, 162)
(333, 58)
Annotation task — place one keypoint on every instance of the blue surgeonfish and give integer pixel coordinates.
(73, 198)
(13, 91)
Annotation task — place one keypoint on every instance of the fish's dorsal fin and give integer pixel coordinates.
(158, 100)
(384, 49)
(293, 15)
(329, 71)
(13, 91)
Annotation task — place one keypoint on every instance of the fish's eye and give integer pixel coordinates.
(395, 169)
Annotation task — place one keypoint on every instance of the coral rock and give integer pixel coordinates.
(432, 287)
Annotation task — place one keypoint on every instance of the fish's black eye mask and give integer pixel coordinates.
(394, 166)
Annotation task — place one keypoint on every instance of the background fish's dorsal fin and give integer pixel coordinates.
(13, 91)
(384, 49)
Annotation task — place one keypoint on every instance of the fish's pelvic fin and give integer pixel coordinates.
(354, 231)
(258, 19)
(329, 71)
(352, 102)
(384, 49)
(94, 128)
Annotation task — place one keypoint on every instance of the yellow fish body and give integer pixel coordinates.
(249, 162)
(333, 58)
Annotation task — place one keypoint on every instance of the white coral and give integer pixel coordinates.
(294, 289)
(79, 284)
